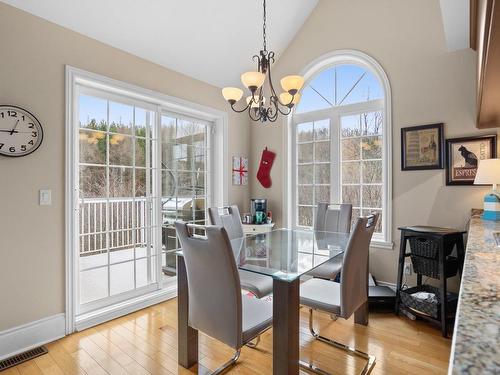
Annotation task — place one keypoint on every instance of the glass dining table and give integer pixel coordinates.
(285, 255)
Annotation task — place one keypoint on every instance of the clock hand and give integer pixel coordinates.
(14, 128)
(9, 131)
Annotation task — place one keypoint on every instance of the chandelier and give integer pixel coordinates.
(260, 107)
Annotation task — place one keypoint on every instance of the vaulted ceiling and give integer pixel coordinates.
(211, 40)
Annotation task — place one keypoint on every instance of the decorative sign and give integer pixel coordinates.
(463, 155)
(422, 147)
(240, 170)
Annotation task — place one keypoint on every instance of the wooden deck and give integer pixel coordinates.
(145, 343)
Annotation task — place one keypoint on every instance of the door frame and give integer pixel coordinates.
(220, 178)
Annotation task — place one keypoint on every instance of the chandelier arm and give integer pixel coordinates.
(273, 91)
(251, 117)
(241, 110)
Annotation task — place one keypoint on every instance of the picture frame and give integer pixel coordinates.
(240, 170)
(463, 155)
(422, 147)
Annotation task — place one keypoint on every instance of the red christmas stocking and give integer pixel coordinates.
(264, 172)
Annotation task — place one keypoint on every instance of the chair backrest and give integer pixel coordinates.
(333, 217)
(354, 275)
(214, 288)
(228, 218)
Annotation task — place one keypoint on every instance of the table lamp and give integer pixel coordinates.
(488, 173)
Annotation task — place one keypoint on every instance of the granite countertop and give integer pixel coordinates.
(476, 339)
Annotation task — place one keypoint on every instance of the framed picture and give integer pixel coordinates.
(240, 170)
(463, 155)
(422, 147)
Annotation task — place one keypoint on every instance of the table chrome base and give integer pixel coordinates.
(253, 345)
(370, 359)
(228, 364)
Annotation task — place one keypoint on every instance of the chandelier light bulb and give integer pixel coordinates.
(232, 94)
(253, 80)
(292, 84)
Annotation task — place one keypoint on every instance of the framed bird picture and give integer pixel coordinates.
(463, 156)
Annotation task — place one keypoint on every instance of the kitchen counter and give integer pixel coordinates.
(476, 338)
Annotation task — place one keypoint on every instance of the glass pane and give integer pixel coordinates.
(121, 277)
(351, 173)
(305, 153)
(121, 118)
(120, 150)
(350, 126)
(372, 196)
(140, 151)
(350, 194)
(372, 171)
(355, 214)
(322, 130)
(120, 182)
(322, 173)
(168, 183)
(318, 93)
(93, 112)
(93, 284)
(305, 174)
(322, 151)
(185, 184)
(168, 133)
(141, 269)
(371, 123)
(350, 149)
(378, 227)
(305, 132)
(167, 156)
(322, 194)
(356, 85)
(92, 147)
(372, 147)
(143, 121)
(199, 183)
(305, 216)
(92, 182)
(140, 183)
(187, 131)
(181, 160)
(305, 194)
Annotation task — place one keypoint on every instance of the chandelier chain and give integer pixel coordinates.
(264, 27)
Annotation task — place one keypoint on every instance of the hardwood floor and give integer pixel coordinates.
(145, 343)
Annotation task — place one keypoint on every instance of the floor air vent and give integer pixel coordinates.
(23, 357)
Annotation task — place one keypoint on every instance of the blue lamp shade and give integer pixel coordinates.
(488, 173)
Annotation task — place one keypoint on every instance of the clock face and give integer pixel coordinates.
(20, 131)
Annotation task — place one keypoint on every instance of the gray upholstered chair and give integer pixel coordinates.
(331, 218)
(351, 294)
(216, 306)
(229, 218)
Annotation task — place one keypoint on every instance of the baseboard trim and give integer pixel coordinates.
(30, 335)
(103, 315)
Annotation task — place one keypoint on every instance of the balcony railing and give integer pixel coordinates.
(127, 224)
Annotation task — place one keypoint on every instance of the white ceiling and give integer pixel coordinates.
(211, 40)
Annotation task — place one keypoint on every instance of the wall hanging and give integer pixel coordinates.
(422, 147)
(264, 172)
(240, 170)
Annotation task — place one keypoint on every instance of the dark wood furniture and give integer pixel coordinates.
(431, 258)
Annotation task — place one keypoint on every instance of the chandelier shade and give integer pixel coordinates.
(232, 94)
(253, 80)
(264, 104)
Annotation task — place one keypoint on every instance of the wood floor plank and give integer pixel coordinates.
(145, 342)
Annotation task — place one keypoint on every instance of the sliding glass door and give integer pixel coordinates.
(139, 169)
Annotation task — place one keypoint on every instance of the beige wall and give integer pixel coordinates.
(32, 59)
(429, 85)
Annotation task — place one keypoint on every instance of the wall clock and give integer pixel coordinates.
(20, 131)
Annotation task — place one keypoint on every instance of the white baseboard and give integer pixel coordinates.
(28, 336)
(103, 315)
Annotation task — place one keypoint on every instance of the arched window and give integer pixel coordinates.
(340, 141)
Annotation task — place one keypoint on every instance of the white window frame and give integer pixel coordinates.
(329, 60)
(218, 183)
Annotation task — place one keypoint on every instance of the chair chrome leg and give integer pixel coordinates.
(253, 345)
(370, 359)
(228, 364)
